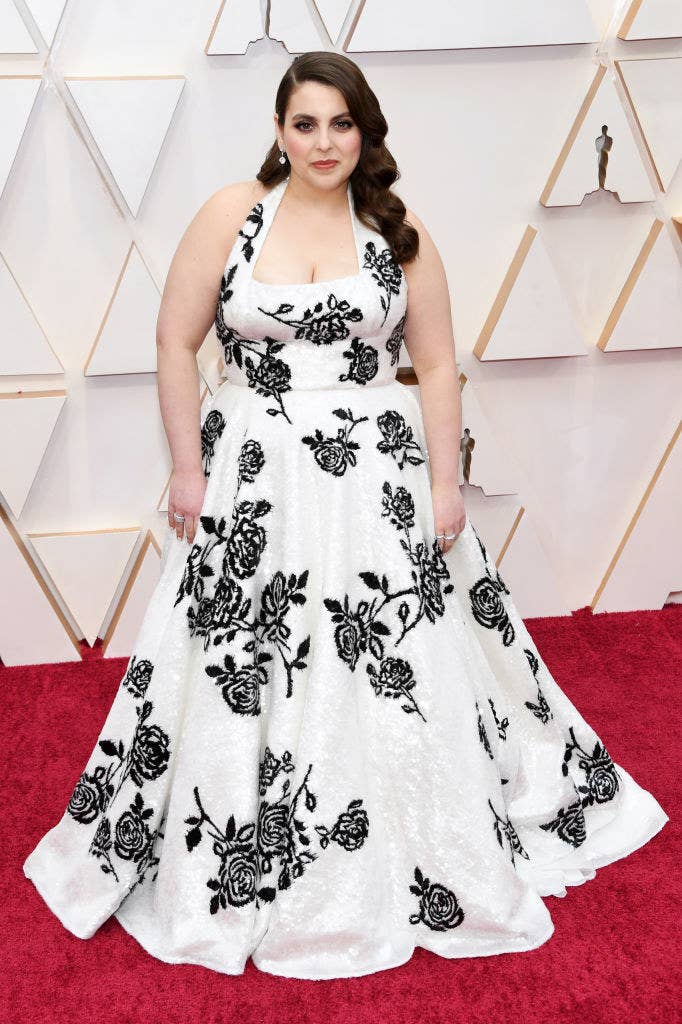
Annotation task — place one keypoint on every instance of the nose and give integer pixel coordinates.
(323, 142)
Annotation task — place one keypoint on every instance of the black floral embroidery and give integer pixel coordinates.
(268, 375)
(279, 834)
(501, 725)
(360, 631)
(569, 824)
(398, 440)
(223, 332)
(541, 710)
(364, 362)
(220, 615)
(482, 733)
(137, 676)
(211, 430)
(504, 827)
(602, 778)
(438, 905)
(486, 603)
(386, 272)
(250, 229)
(319, 325)
(335, 454)
(145, 761)
(395, 340)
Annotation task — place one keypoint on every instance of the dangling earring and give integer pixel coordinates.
(282, 157)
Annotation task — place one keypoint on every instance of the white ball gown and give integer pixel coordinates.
(332, 743)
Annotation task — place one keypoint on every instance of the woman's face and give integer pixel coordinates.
(318, 127)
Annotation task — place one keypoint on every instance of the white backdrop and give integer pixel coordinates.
(576, 479)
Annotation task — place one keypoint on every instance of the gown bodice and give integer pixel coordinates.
(342, 333)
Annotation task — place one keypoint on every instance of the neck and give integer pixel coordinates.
(326, 199)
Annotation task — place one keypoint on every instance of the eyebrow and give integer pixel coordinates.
(311, 117)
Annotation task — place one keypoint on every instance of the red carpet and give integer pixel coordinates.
(611, 958)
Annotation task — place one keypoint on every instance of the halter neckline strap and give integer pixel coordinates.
(270, 204)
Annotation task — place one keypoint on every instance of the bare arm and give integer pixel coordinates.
(430, 344)
(187, 311)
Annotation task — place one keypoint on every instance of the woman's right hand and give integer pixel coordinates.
(186, 497)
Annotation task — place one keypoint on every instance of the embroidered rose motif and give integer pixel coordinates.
(438, 905)
(211, 430)
(137, 677)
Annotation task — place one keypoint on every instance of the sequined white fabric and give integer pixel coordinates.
(331, 744)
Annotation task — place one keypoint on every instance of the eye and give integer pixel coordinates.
(303, 125)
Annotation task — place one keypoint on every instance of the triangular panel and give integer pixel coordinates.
(654, 87)
(17, 96)
(14, 36)
(453, 24)
(647, 565)
(86, 568)
(33, 629)
(586, 153)
(28, 418)
(530, 317)
(47, 15)
(293, 23)
(128, 119)
(124, 627)
(333, 14)
(648, 311)
(237, 23)
(652, 19)
(126, 340)
(24, 348)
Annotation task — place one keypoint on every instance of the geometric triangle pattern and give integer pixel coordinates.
(17, 96)
(86, 569)
(47, 15)
(333, 14)
(119, 638)
(654, 88)
(599, 152)
(538, 592)
(651, 19)
(648, 311)
(126, 340)
(24, 348)
(128, 119)
(292, 23)
(33, 628)
(14, 36)
(530, 317)
(647, 565)
(484, 462)
(456, 24)
(237, 23)
(28, 418)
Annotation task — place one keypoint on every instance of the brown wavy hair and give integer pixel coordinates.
(376, 170)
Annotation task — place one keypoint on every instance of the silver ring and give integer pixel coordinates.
(178, 518)
(446, 536)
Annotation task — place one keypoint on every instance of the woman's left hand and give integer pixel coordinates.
(449, 514)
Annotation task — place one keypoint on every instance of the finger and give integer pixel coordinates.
(179, 528)
(190, 529)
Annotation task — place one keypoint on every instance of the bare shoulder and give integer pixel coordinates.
(428, 254)
(224, 212)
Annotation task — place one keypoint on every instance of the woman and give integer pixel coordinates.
(335, 739)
